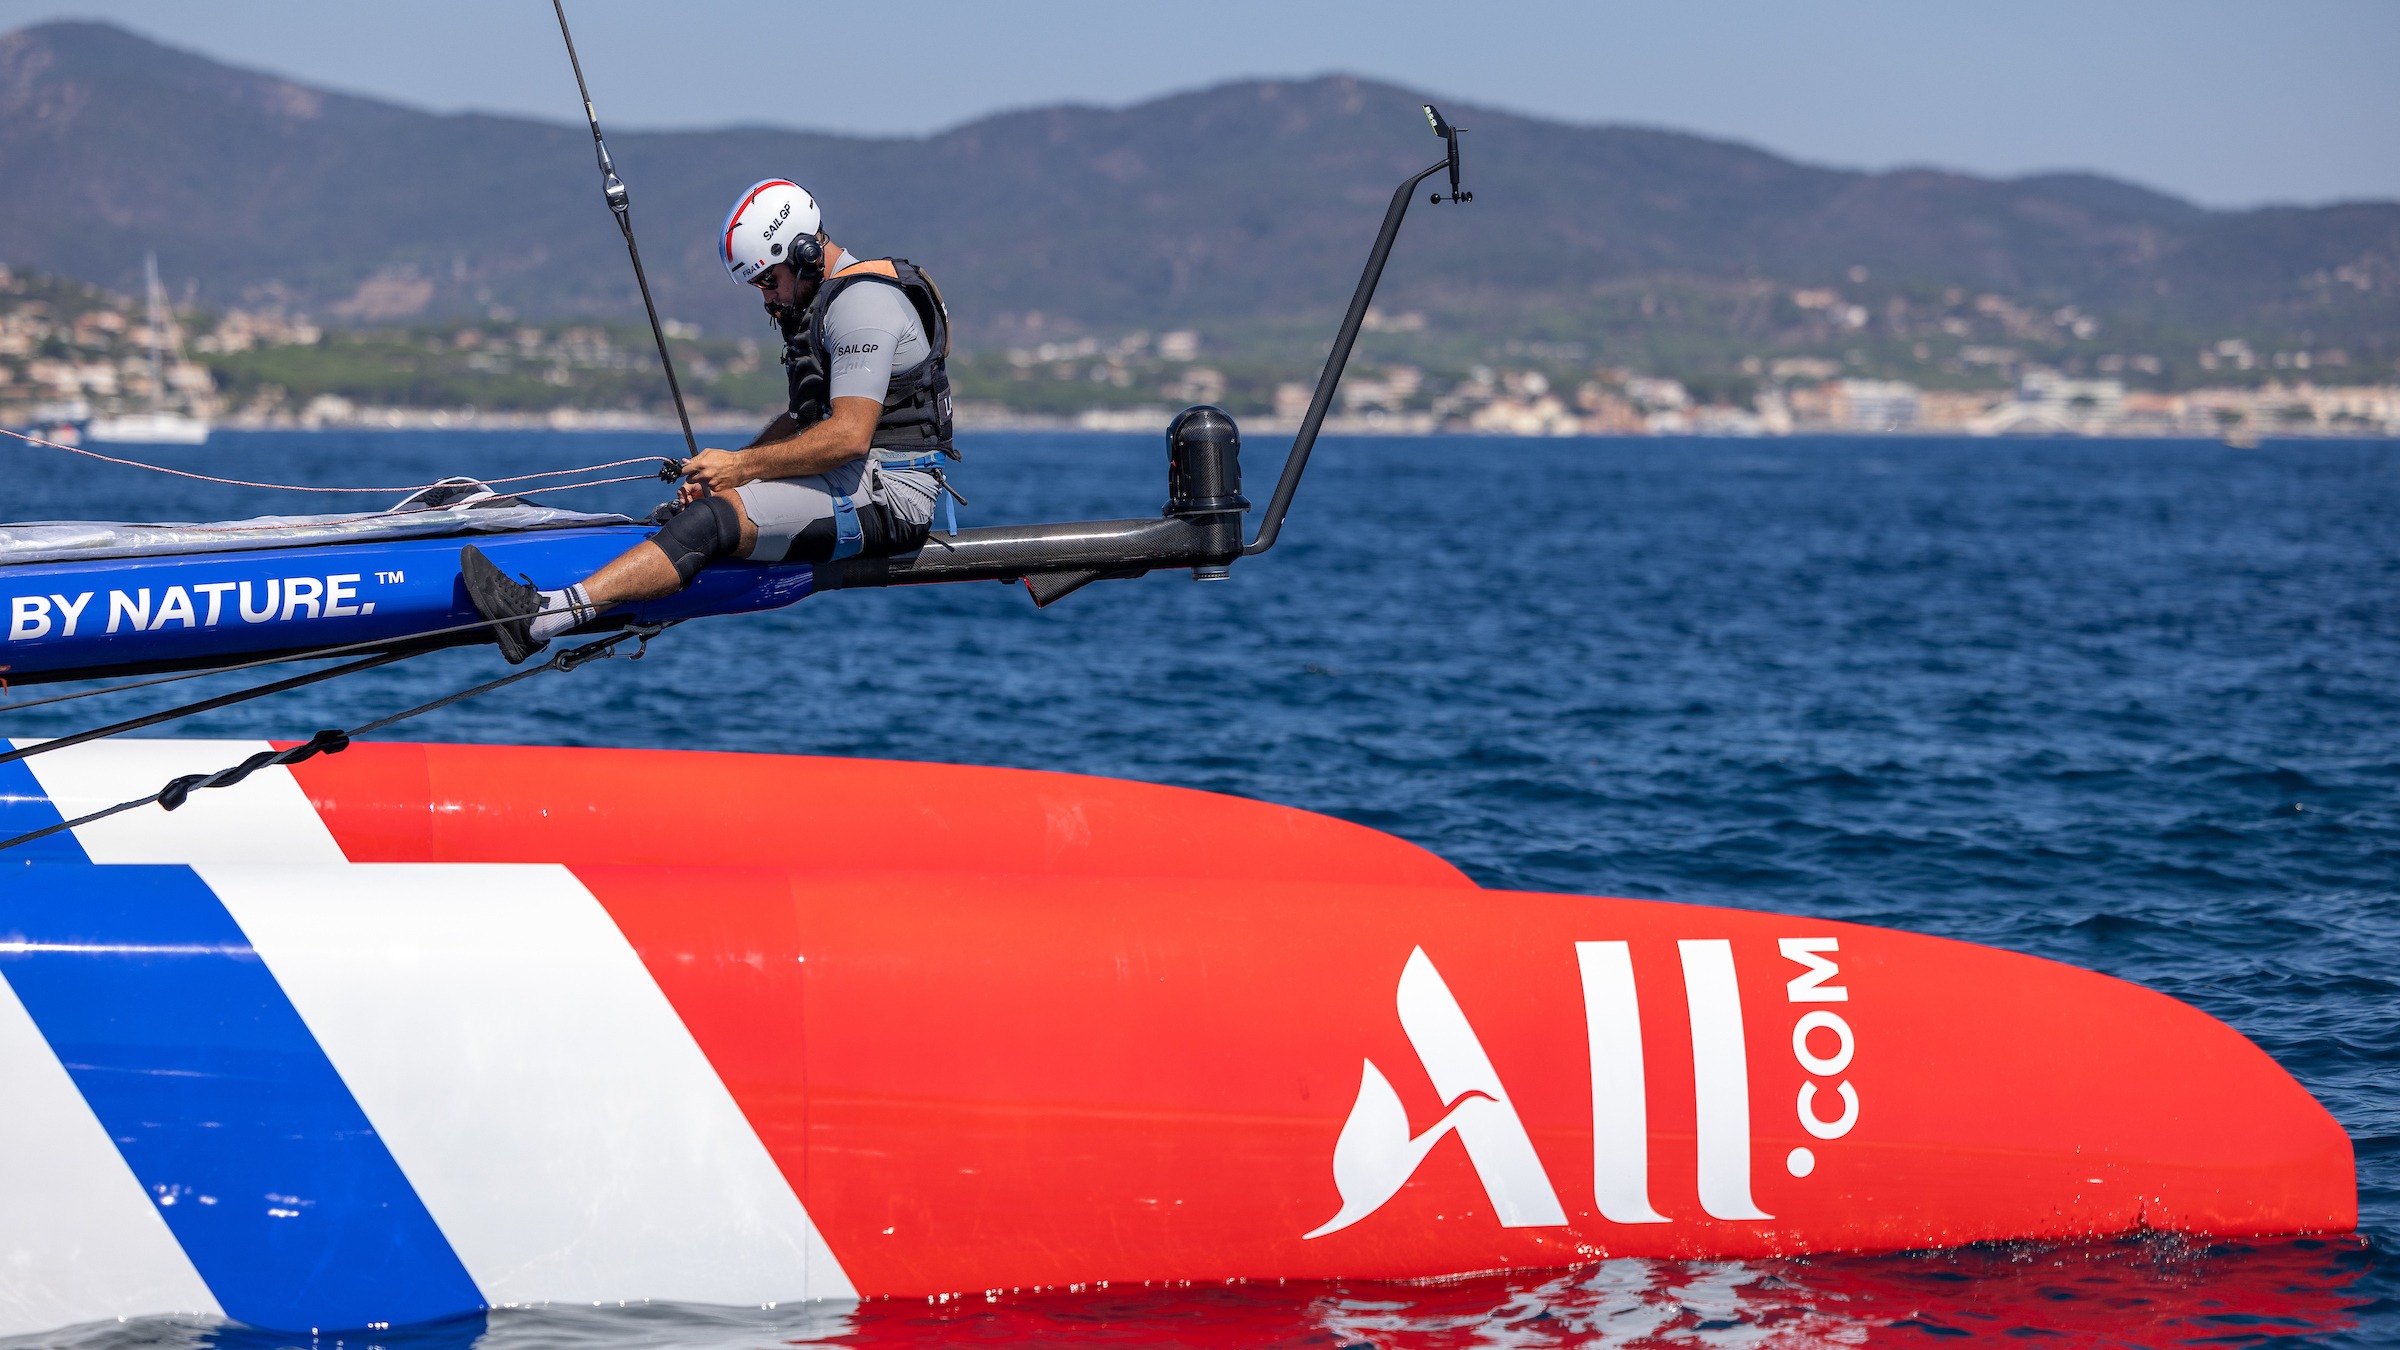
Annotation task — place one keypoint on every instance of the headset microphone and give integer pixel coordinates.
(807, 257)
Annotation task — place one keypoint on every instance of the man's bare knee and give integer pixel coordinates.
(642, 572)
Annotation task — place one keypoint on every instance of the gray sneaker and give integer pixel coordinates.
(496, 597)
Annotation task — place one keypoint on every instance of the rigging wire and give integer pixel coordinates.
(205, 705)
(314, 654)
(420, 487)
(332, 741)
(397, 513)
(620, 204)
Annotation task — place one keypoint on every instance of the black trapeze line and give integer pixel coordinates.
(313, 654)
(205, 705)
(332, 741)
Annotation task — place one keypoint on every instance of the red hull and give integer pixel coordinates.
(1026, 1030)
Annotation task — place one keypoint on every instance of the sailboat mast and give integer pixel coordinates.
(158, 330)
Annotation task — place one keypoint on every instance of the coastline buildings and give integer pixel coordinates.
(2043, 403)
(69, 352)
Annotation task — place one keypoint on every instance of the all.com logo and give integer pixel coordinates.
(1376, 1153)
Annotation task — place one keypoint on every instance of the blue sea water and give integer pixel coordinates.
(2130, 705)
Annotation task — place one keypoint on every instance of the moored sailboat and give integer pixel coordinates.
(158, 424)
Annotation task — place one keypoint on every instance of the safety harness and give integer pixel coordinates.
(914, 430)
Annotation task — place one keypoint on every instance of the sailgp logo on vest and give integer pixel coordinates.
(1376, 1154)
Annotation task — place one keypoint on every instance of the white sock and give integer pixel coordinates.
(562, 610)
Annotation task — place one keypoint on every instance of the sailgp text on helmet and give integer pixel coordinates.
(774, 221)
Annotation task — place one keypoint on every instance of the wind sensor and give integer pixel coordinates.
(1449, 133)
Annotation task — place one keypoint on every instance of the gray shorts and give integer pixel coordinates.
(838, 513)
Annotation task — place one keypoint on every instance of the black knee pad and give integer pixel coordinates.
(701, 533)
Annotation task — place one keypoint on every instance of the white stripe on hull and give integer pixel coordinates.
(542, 1095)
(80, 1240)
(266, 815)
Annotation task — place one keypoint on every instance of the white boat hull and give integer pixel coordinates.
(147, 429)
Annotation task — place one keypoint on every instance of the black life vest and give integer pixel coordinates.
(916, 407)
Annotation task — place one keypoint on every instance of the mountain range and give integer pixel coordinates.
(1243, 208)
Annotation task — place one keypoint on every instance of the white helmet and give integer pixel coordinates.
(761, 229)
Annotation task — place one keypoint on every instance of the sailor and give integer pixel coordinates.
(850, 468)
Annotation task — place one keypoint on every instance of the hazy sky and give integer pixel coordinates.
(2227, 103)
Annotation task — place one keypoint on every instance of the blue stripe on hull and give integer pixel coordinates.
(24, 808)
(134, 613)
(221, 1100)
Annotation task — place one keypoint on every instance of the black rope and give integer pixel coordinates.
(174, 794)
(205, 705)
(331, 741)
(314, 654)
(570, 659)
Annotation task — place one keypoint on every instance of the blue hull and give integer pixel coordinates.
(70, 620)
